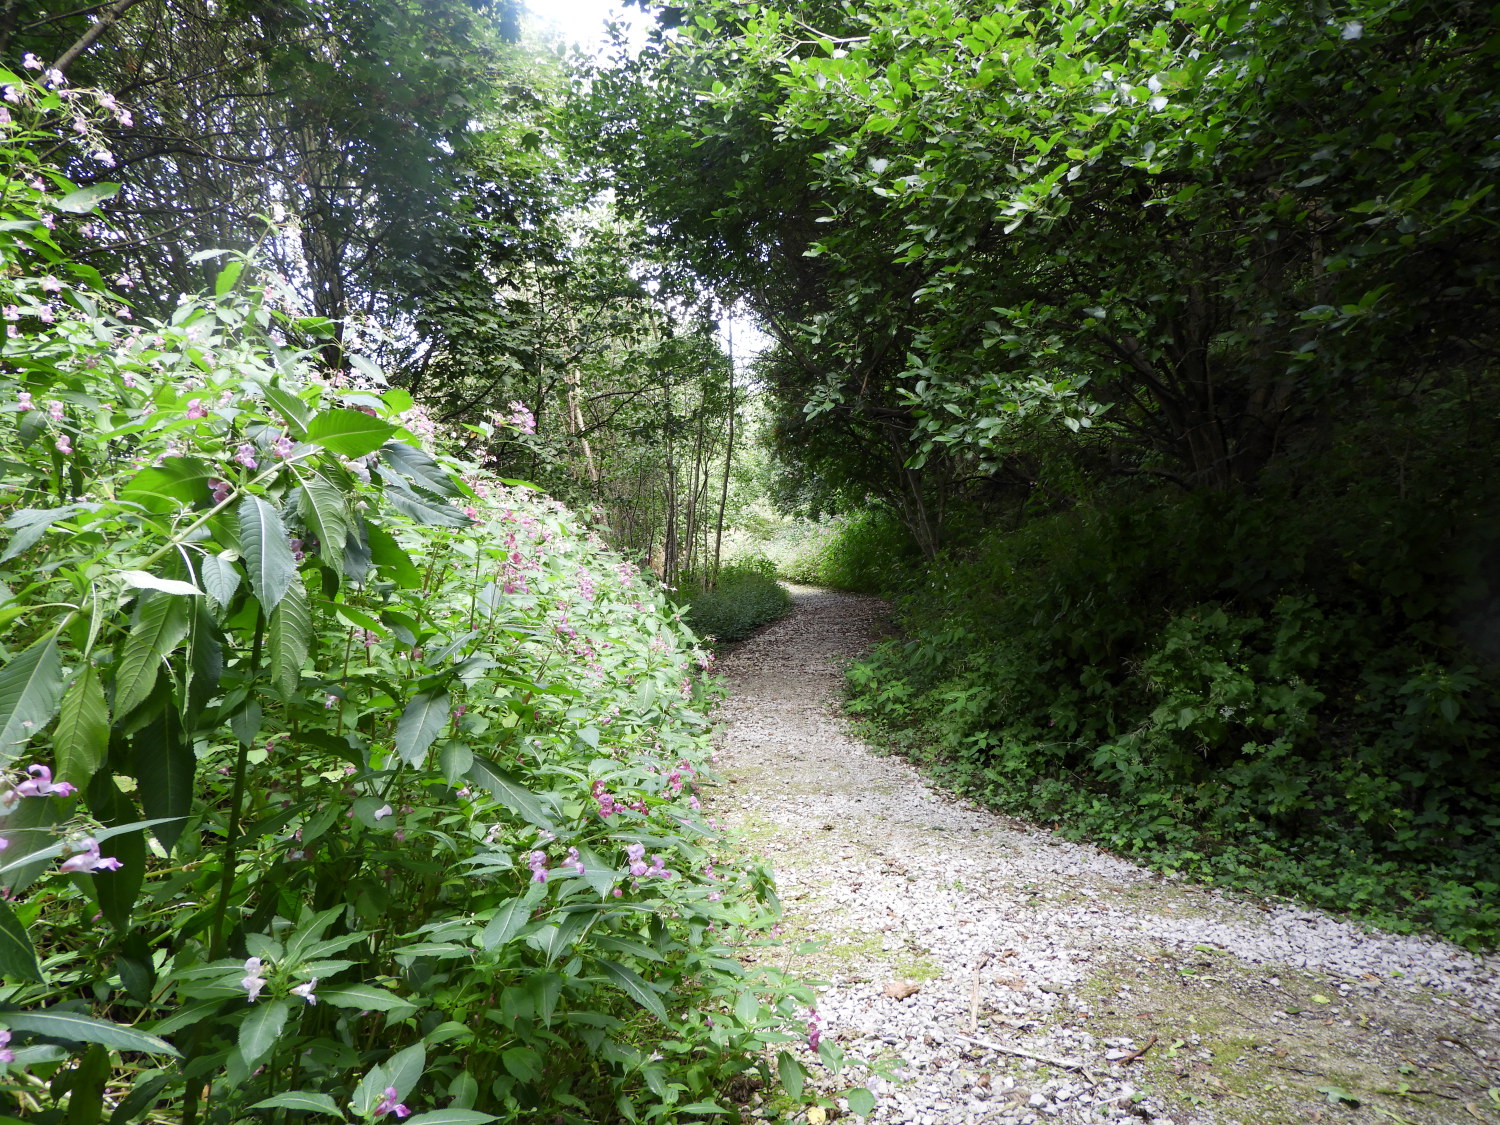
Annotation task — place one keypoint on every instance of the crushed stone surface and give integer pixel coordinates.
(986, 970)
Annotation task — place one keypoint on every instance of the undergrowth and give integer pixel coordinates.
(867, 552)
(744, 596)
(1293, 693)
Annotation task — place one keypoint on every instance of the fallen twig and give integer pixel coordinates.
(1130, 1058)
(1066, 1064)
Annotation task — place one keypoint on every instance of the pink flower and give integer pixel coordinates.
(55, 410)
(384, 811)
(521, 418)
(814, 1031)
(390, 1103)
(473, 513)
(196, 409)
(62, 444)
(538, 864)
(23, 402)
(245, 455)
(50, 284)
(281, 448)
(306, 991)
(636, 854)
(221, 489)
(253, 981)
(31, 62)
(89, 859)
(41, 784)
(574, 860)
(6, 1054)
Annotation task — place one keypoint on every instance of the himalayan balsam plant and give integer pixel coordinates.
(339, 779)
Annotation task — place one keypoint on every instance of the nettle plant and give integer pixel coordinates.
(340, 780)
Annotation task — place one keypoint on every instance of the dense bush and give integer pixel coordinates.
(744, 596)
(1294, 692)
(339, 777)
(867, 551)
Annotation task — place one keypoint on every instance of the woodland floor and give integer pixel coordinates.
(951, 943)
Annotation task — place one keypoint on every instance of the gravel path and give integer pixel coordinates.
(953, 943)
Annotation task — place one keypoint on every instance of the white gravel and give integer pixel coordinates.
(1015, 937)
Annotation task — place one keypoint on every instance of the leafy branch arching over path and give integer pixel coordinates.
(938, 924)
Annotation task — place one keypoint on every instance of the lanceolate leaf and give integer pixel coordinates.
(417, 466)
(451, 1116)
(177, 482)
(162, 624)
(636, 988)
(348, 432)
(220, 578)
(75, 1028)
(394, 562)
(301, 1099)
(326, 514)
(509, 917)
(82, 736)
(422, 721)
(259, 1031)
(520, 799)
(85, 199)
(29, 525)
(17, 954)
(268, 556)
(31, 686)
(166, 768)
(289, 406)
(289, 637)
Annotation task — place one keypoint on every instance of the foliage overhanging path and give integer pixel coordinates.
(1020, 974)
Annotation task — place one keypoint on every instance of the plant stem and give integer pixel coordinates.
(232, 829)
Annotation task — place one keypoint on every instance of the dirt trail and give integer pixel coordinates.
(960, 942)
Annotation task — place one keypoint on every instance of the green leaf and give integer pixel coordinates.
(791, 1074)
(510, 917)
(220, 578)
(451, 1117)
(268, 556)
(861, 1101)
(261, 1028)
(423, 720)
(290, 407)
(405, 1068)
(289, 638)
(228, 278)
(510, 791)
(176, 482)
(17, 954)
(30, 524)
(637, 989)
(31, 686)
(303, 1100)
(424, 512)
(85, 199)
(694, 1107)
(349, 433)
(327, 516)
(162, 624)
(166, 768)
(388, 555)
(417, 466)
(82, 736)
(361, 996)
(74, 1028)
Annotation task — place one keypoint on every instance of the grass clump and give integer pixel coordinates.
(744, 596)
